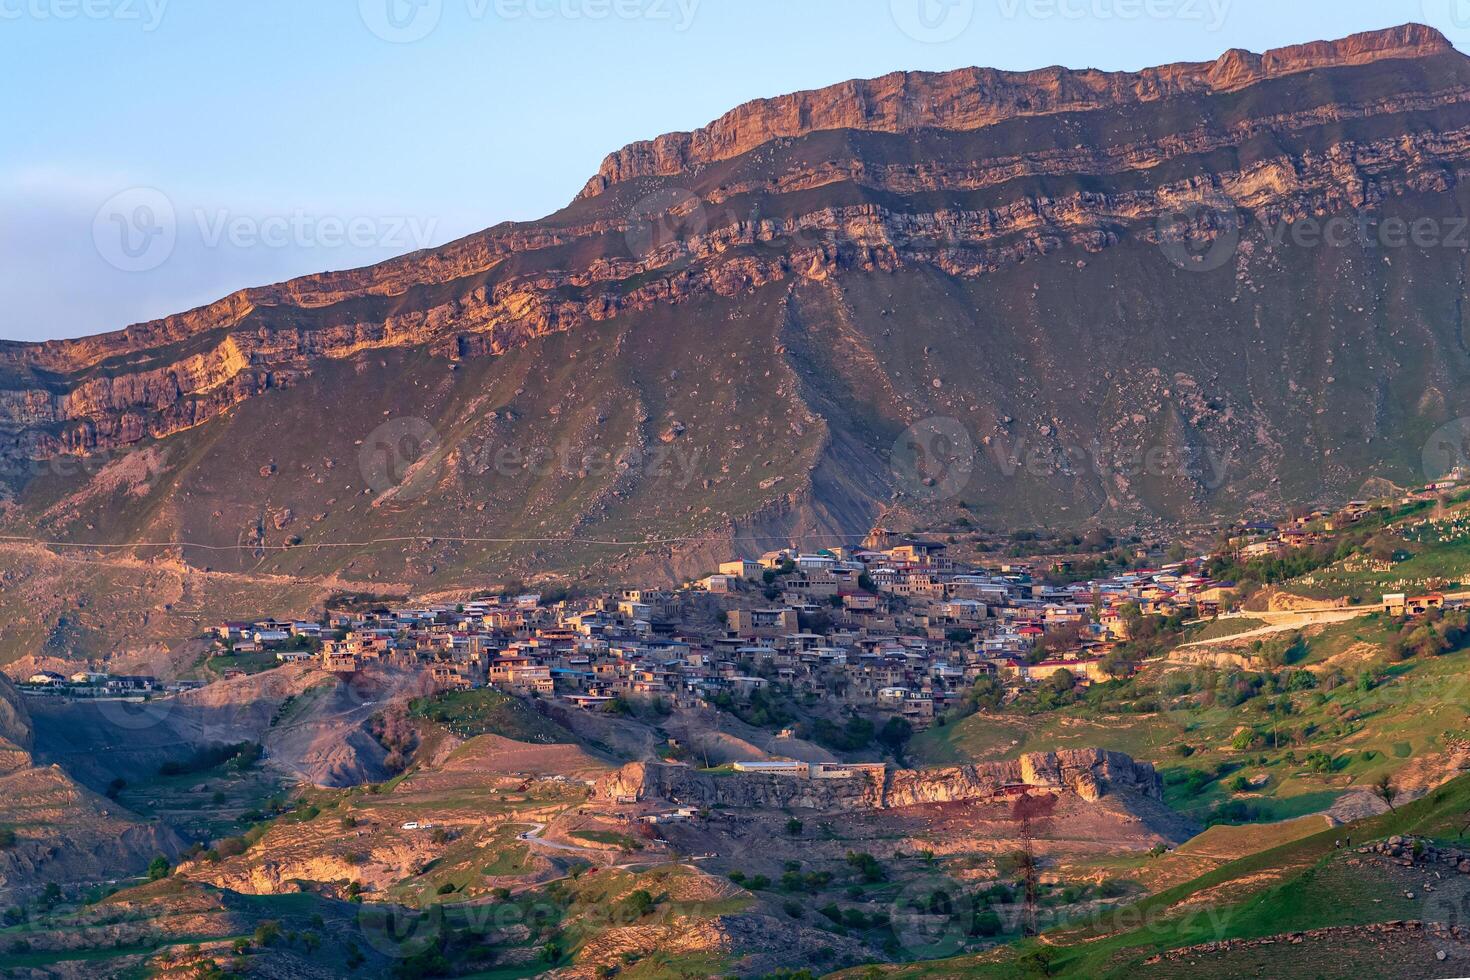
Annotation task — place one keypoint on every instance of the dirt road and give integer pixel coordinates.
(1282, 622)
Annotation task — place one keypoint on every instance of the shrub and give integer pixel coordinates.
(867, 866)
(985, 923)
(267, 932)
(1245, 739)
(637, 904)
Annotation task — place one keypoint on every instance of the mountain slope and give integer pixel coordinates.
(867, 302)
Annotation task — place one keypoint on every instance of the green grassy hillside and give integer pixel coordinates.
(1306, 884)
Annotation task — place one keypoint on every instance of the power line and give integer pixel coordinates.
(411, 539)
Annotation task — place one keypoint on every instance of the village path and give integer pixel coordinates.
(531, 837)
(1282, 622)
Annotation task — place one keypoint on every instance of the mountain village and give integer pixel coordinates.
(894, 628)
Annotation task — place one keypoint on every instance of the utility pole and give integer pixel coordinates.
(1028, 812)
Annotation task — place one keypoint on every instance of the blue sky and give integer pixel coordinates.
(282, 137)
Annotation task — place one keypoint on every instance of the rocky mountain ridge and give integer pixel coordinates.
(973, 98)
(1089, 774)
(513, 282)
(1015, 258)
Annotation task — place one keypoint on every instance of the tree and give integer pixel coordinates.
(987, 694)
(396, 733)
(986, 923)
(867, 866)
(1119, 662)
(896, 733)
(793, 827)
(158, 868)
(1038, 961)
(1383, 789)
(1068, 636)
(638, 904)
(1063, 680)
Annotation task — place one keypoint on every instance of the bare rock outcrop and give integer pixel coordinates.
(971, 98)
(15, 729)
(964, 214)
(1089, 774)
(65, 832)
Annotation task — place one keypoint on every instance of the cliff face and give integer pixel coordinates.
(1090, 774)
(15, 729)
(973, 98)
(65, 832)
(724, 338)
(597, 260)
